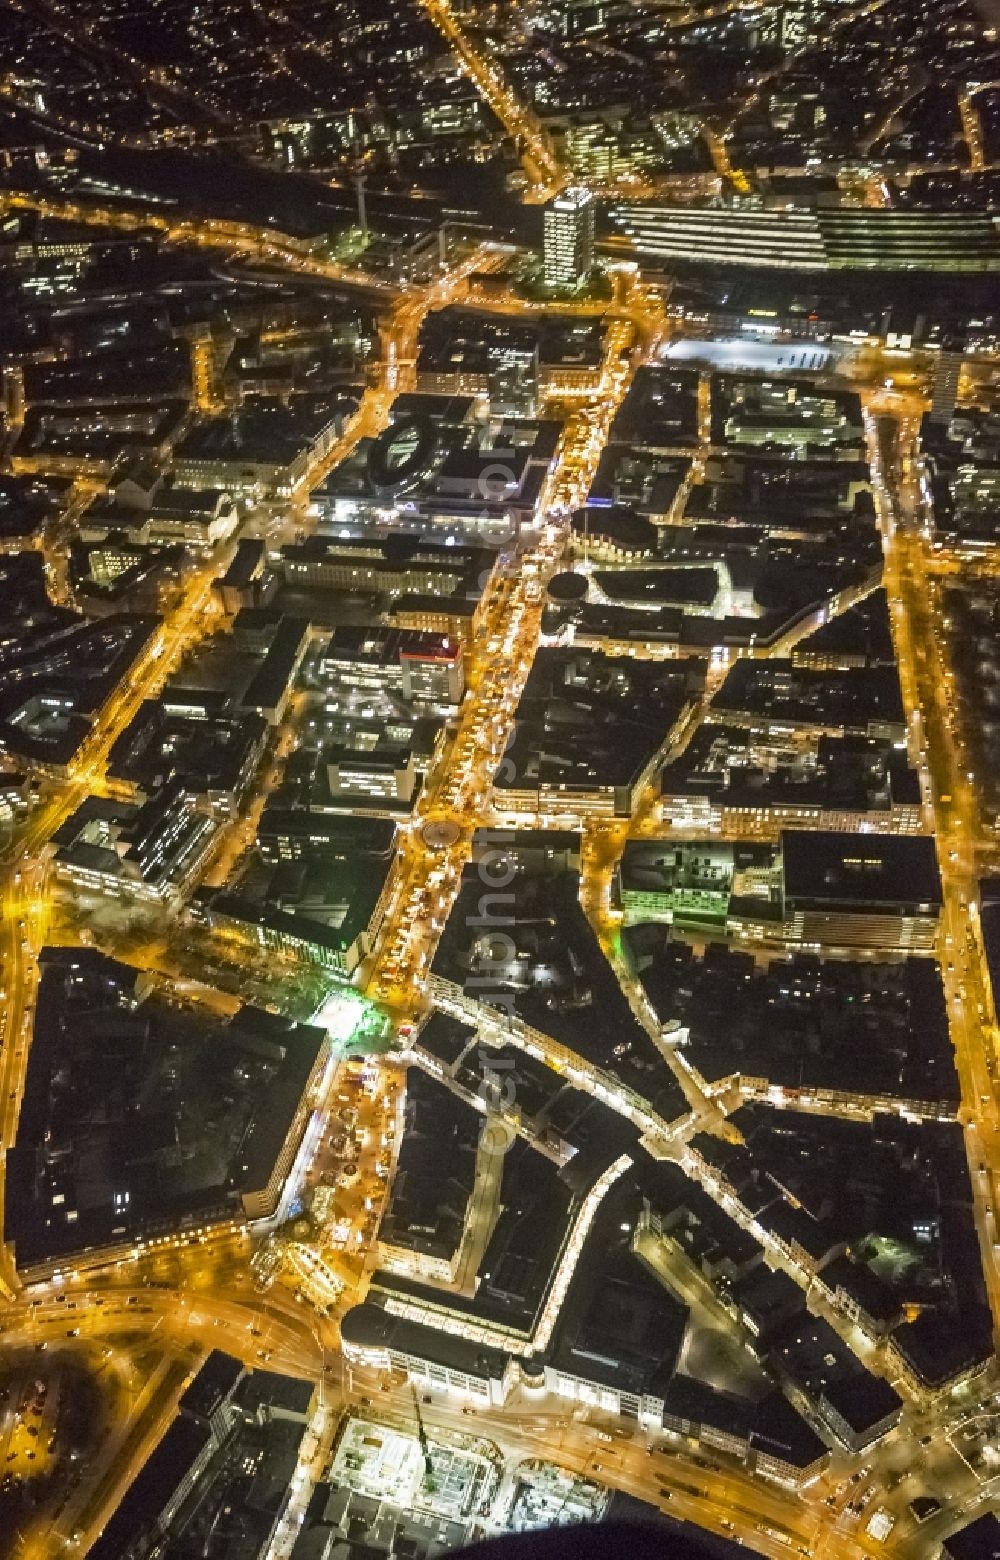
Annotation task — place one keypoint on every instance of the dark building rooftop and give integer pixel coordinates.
(977, 1540)
(213, 1385)
(370, 1326)
(587, 722)
(161, 1117)
(806, 1023)
(862, 635)
(618, 1326)
(133, 1523)
(863, 699)
(833, 870)
(435, 1170)
(556, 976)
(214, 754)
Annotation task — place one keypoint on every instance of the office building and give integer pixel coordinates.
(569, 238)
(877, 891)
(149, 851)
(236, 1441)
(813, 240)
(407, 663)
(945, 381)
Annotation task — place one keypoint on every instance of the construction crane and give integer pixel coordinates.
(422, 1438)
